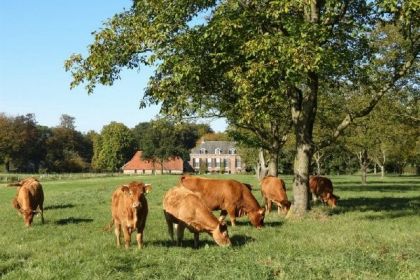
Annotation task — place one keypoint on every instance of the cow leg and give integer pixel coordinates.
(41, 208)
(127, 237)
(196, 238)
(265, 203)
(223, 214)
(170, 225)
(117, 231)
(279, 207)
(269, 205)
(232, 216)
(180, 234)
(314, 197)
(139, 238)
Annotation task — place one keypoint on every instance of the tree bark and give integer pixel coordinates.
(262, 169)
(303, 116)
(364, 163)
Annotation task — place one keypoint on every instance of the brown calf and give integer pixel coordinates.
(186, 209)
(230, 196)
(29, 197)
(273, 189)
(322, 187)
(129, 211)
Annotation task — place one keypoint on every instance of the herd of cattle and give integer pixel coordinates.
(187, 205)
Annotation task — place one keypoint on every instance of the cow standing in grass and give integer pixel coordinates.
(186, 209)
(322, 187)
(29, 198)
(129, 211)
(230, 196)
(273, 189)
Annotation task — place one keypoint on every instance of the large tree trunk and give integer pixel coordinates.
(303, 116)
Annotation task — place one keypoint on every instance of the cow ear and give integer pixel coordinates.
(125, 188)
(261, 211)
(147, 188)
(328, 195)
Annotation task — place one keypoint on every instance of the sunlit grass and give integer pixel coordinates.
(373, 234)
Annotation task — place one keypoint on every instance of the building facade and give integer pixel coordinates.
(216, 156)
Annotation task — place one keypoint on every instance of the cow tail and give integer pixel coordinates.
(109, 226)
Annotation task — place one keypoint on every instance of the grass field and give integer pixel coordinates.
(374, 233)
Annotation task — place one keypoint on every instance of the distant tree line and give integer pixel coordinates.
(26, 146)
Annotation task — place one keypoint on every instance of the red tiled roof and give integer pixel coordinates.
(137, 163)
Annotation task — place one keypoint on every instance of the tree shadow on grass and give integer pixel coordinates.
(273, 223)
(385, 187)
(237, 241)
(72, 220)
(391, 207)
(186, 243)
(59, 206)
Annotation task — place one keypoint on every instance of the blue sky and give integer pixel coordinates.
(36, 38)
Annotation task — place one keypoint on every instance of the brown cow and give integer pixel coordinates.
(273, 189)
(322, 187)
(129, 211)
(29, 197)
(230, 196)
(186, 209)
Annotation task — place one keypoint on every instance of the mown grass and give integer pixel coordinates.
(373, 234)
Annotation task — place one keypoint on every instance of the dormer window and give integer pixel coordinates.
(203, 151)
(232, 151)
(217, 151)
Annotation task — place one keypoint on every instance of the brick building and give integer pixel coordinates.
(216, 156)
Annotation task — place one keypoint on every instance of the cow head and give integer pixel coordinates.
(135, 192)
(257, 217)
(286, 206)
(220, 235)
(28, 216)
(331, 200)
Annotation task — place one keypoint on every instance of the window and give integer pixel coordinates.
(217, 151)
(203, 151)
(217, 162)
(232, 151)
(238, 162)
(209, 162)
(196, 162)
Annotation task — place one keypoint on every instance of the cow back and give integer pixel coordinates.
(187, 207)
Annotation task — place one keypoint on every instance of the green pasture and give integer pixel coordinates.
(374, 233)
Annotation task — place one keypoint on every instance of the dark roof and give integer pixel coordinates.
(211, 146)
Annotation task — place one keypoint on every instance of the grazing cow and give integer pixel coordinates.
(230, 196)
(273, 189)
(129, 211)
(29, 197)
(187, 210)
(322, 187)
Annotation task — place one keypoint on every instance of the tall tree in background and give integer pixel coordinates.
(252, 60)
(18, 139)
(113, 147)
(164, 139)
(67, 150)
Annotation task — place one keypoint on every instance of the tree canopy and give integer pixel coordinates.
(260, 64)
